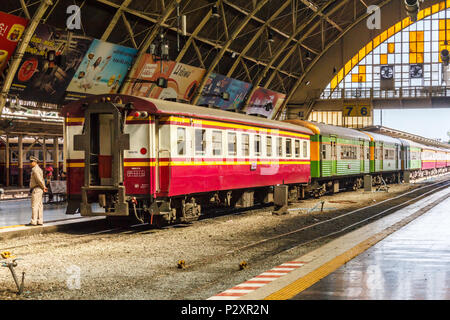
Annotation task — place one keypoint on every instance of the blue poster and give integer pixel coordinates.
(102, 70)
(218, 84)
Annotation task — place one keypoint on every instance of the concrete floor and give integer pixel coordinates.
(410, 264)
(16, 212)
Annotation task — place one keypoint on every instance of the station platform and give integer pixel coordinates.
(18, 212)
(403, 256)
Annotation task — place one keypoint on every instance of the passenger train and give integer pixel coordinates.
(160, 161)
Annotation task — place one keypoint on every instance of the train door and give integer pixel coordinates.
(381, 156)
(362, 154)
(333, 155)
(103, 143)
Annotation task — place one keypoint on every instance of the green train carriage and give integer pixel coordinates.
(339, 157)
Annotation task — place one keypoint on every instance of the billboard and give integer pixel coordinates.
(265, 102)
(48, 65)
(102, 70)
(11, 30)
(147, 72)
(182, 83)
(218, 84)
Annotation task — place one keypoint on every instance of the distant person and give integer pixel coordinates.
(37, 189)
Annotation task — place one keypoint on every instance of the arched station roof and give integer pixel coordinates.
(310, 39)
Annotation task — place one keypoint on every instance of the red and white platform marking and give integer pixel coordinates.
(258, 281)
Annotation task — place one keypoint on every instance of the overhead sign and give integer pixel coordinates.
(356, 111)
(11, 30)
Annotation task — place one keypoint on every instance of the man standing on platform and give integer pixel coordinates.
(37, 189)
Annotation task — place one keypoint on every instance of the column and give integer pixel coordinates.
(55, 159)
(8, 157)
(20, 161)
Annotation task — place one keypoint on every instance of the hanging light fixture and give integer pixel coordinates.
(412, 9)
(215, 11)
(270, 36)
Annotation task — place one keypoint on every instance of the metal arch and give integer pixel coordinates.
(167, 12)
(224, 49)
(256, 36)
(292, 38)
(193, 36)
(115, 19)
(18, 55)
(317, 58)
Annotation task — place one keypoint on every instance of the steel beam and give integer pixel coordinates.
(150, 38)
(317, 58)
(301, 28)
(225, 47)
(114, 20)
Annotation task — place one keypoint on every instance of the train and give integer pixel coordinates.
(161, 161)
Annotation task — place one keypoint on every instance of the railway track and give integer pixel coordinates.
(315, 232)
(297, 233)
(209, 273)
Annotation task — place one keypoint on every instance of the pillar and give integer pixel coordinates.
(55, 159)
(368, 183)
(8, 157)
(44, 152)
(20, 145)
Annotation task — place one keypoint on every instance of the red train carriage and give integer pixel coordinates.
(166, 159)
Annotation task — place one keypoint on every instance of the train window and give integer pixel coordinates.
(390, 154)
(200, 141)
(269, 146)
(245, 145)
(280, 147)
(232, 147)
(349, 152)
(217, 143)
(305, 149)
(324, 151)
(257, 145)
(288, 147)
(297, 148)
(181, 141)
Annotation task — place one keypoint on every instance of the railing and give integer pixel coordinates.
(398, 93)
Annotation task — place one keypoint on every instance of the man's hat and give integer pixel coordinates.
(34, 159)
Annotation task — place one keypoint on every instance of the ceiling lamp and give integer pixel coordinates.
(215, 11)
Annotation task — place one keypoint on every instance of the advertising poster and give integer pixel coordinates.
(216, 85)
(265, 102)
(11, 30)
(149, 71)
(182, 83)
(48, 65)
(102, 70)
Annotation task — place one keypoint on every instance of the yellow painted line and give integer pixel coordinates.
(17, 225)
(311, 278)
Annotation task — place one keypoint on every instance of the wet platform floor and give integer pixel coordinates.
(410, 264)
(17, 212)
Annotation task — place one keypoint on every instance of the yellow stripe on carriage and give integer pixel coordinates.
(210, 163)
(233, 126)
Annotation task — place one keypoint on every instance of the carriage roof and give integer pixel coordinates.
(163, 107)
